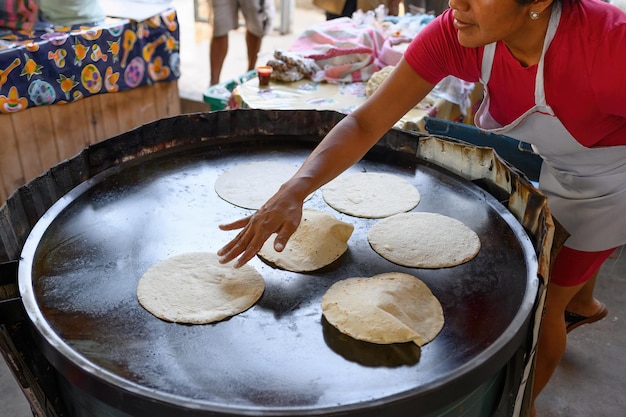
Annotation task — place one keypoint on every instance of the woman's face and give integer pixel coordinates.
(481, 22)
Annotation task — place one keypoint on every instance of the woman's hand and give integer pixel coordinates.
(281, 214)
(343, 146)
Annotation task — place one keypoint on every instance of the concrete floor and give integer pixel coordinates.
(590, 381)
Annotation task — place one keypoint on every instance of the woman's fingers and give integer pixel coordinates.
(237, 224)
(256, 230)
(247, 252)
(283, 235)
(238, 244)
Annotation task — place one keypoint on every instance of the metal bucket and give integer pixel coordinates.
(79, 261)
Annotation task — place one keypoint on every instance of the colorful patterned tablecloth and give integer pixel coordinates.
(66, 64)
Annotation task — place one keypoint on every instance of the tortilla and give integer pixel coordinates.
(370, 194)
(251, 184)
(387, 308)
(195, 288)
(377, 79)
(319, 240)
(424, 240)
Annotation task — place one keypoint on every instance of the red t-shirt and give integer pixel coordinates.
(584, 75)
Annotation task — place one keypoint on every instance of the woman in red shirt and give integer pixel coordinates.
(552, 78)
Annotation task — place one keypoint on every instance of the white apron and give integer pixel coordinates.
(586, 187)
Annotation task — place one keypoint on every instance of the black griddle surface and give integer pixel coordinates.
(82, 262)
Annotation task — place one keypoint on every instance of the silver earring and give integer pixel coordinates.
(534, 15)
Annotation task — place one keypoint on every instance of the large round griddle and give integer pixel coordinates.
(82, 261)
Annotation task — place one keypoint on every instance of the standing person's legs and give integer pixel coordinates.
(573, 273)
(347, 11)
(394, 7)
(583, 308)
(425, 6)
(553, 336)
(584, 303)
(217, 55)
(253, 43)
(259, 15)
(225, 19)
(349, 8)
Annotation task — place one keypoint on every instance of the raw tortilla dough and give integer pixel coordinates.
(377, 79)
(424, 240)
(195, 288)
(370, 194)
(387, 308)
(319, 240)
(251, 184)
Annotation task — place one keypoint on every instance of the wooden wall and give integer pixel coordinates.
(34, 140)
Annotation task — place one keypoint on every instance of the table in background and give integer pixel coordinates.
(64, 89)
(345, 98)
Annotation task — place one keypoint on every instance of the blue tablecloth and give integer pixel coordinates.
(69, 63)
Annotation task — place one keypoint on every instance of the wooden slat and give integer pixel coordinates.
(6, 133)
(41, 120)
(70, 127)
(93, 114)
(34, 140)
(10, 165)
(166, 99)
(133, 109)
(108, 115)
(27, 147)
(3, 192)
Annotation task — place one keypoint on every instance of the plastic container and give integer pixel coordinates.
(217, 95)
(265, 73)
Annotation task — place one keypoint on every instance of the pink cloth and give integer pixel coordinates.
(18, 14)
(390, 55)
(343, 50)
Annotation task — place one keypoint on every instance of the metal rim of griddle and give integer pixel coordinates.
(66, 358)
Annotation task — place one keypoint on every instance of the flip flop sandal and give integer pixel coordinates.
(574, 320)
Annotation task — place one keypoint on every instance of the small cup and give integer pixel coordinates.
(264, 73)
